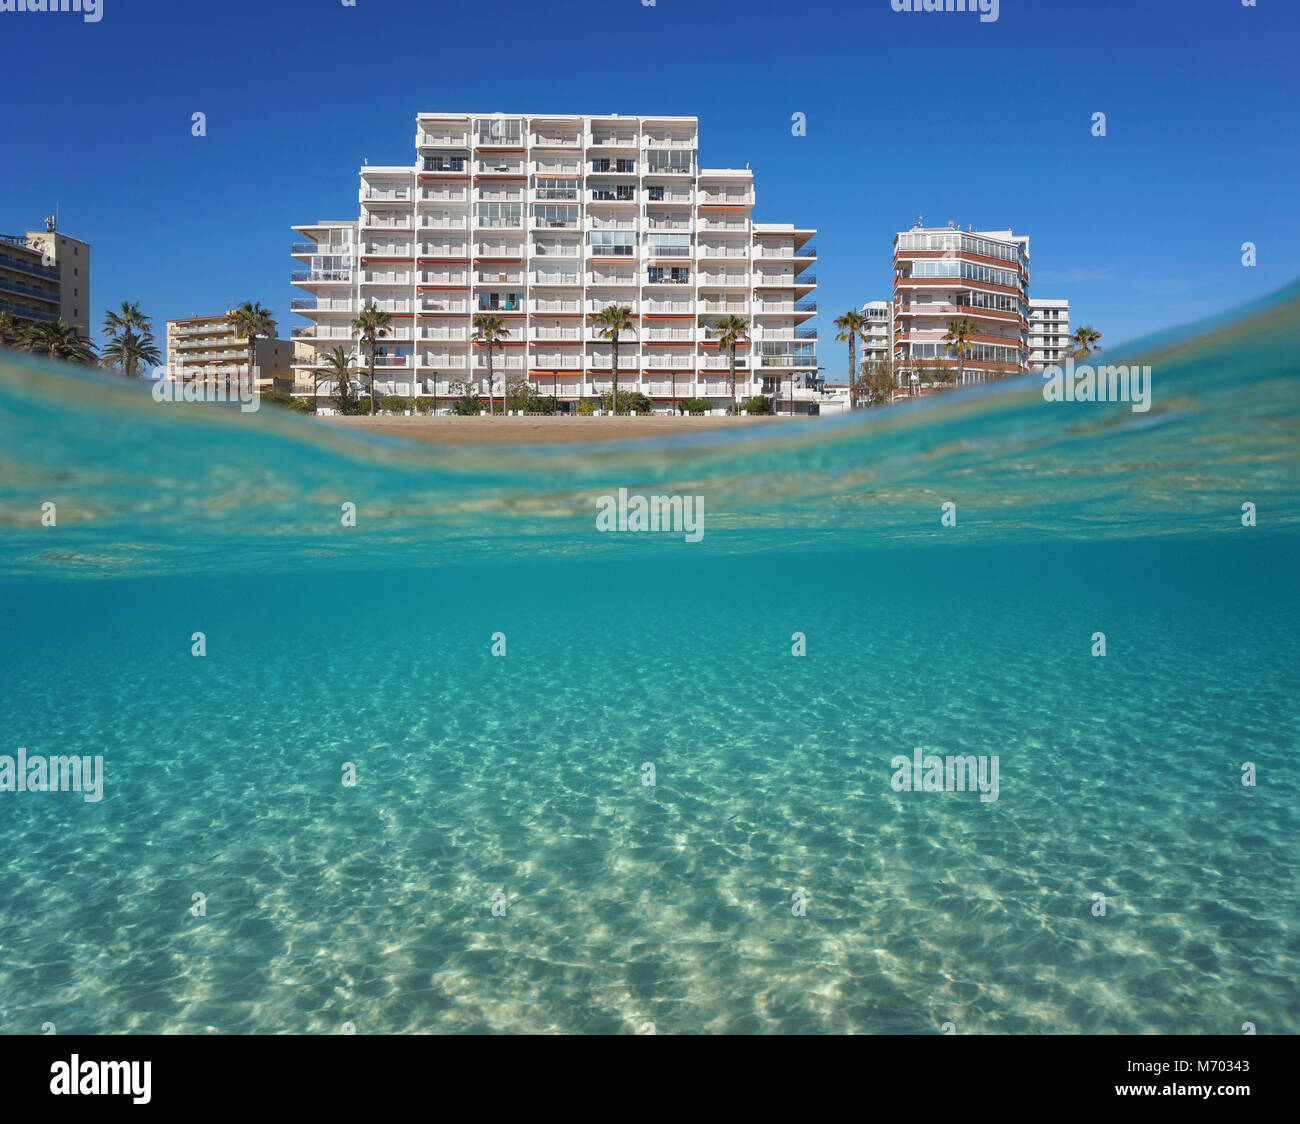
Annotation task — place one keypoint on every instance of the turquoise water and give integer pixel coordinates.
(670, 904)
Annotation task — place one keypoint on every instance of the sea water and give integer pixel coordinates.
(465, 762)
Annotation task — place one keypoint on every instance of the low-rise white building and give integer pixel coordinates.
(1049, 332)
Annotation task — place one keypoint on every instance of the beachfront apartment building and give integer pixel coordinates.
(942, 274)
(878, 335)
(204, 348)
(545, 220)
(1049, 332)
(45, 276)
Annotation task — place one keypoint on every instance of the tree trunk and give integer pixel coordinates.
(372, 378)
(731, 366)
(492, 402)
(853, 366)
(613, 401)
(252, 360)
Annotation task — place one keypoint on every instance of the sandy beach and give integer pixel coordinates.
(503, 430)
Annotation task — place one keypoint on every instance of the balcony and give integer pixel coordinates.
(556, 278)
(669, 167)
(442, 140)
(613, 140)
(500, 167)
(314, 276)
(726, 198)
(549, 334)
(400, 196)
(557, 140)
(427, 223)
(444, 334)
(26, 265)
(444, 194)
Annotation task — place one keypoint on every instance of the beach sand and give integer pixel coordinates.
(503, 430)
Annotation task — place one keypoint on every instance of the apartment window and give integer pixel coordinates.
(506, 302)
(670, 162)
(670, 245)
(444, 163)
(612, 243)
(500, 214)
(557, 189)
(655, 194)
(556, 214)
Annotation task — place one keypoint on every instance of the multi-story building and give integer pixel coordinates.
(204, 348)
(544, 221)
(877, 346)
(943, 274)
(1049, 332)
(45, 275)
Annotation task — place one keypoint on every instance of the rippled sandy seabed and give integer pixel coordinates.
(670, 904)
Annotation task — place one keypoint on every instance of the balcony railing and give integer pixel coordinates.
(28, 266)
(321, 275)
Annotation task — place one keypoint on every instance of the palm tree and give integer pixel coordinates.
(128, 350)
(958, 337)
(371, 325)
(731, 331)
(489, 331)
(129, 331)
(852, 327)
(613, 321)
(251, 320)
(11, 330)
(338, 366)
(57, 339)
(1085, 342)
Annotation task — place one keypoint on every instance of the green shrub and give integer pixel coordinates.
(628, 400)
(759, 404)
(695, 406)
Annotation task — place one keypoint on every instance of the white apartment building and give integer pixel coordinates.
(1049, 332)
(544, 221)
(878, 344)
(943, 274)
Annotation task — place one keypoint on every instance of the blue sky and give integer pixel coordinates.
(983, 123)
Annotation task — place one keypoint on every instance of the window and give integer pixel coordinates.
(670, 245)
(500, 214)
(556, 214)
(612, 243)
